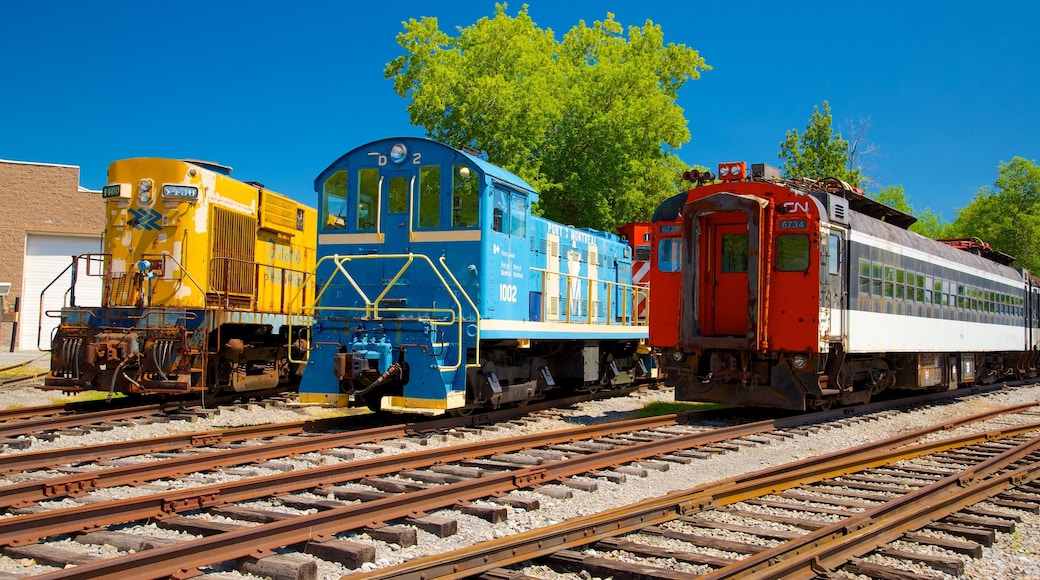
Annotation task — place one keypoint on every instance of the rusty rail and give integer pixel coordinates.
(323, 525)
(793, 560)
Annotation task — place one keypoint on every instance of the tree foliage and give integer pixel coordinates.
(928, 222)
(818, 152)
(1007, 214)
(589, 120)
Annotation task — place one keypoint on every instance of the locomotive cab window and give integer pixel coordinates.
(429, 196)
(368, 199)
(500, 216)
(334, 201)
(792, 253)
(464, 197)
(398, 195)
(518, 216)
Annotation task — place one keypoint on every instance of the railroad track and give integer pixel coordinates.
(402, 487)
(16, 380)
(876, 495)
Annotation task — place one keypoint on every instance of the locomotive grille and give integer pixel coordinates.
(278, 214)
(119, 290)
(234, 246)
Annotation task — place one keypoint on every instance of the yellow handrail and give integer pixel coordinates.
(631, 293)
(476, 314)
(372, 309)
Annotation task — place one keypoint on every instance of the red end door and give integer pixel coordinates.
(725, 286)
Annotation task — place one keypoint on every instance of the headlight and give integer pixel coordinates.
(398, 152)
(677, 356)
(799, 361)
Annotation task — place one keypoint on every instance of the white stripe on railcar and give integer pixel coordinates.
(509, 329)
(876, 332)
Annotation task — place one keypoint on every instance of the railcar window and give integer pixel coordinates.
(864, 277)
(669, 254)
(499, 217)
(735, 253)
(368, 199)
(518, 216)
(430, 196)
(398, 195)
(890, 276)
(792, 253)
(642, 253)
(465, 197)
(334, 201)
(834, 254)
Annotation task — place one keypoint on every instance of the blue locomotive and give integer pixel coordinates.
(438, 291)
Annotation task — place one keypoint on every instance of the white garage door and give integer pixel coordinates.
(47, 256)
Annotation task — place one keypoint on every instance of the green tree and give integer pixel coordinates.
(590, 120)
(818, 152)
(1007, 215)
(932, 225)
(928, 222)
(894, 196)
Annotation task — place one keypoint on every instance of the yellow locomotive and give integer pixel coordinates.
(204, 278)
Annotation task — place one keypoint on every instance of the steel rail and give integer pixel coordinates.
(834, 545)
(55, 422)
(585, 530)
(31, 527)
(28, 412)
(321, 526)
(10, 381)
(29, 461)
(24, 493)
(16, 462)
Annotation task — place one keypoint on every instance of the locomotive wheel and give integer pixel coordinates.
(823, 404)
(374, 402)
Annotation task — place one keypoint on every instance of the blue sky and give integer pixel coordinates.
(279, 90)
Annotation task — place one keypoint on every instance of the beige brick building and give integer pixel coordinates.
(45, 218)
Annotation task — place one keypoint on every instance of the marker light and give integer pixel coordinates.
(144, 191)
(735, 171)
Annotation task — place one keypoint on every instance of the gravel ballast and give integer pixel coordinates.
(1013, 556)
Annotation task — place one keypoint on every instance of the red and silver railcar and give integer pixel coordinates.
(800, 294)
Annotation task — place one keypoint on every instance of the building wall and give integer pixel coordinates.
(39, 197)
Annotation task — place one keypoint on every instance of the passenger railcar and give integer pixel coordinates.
(801, 294)
(439, 291)
(203, 278)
